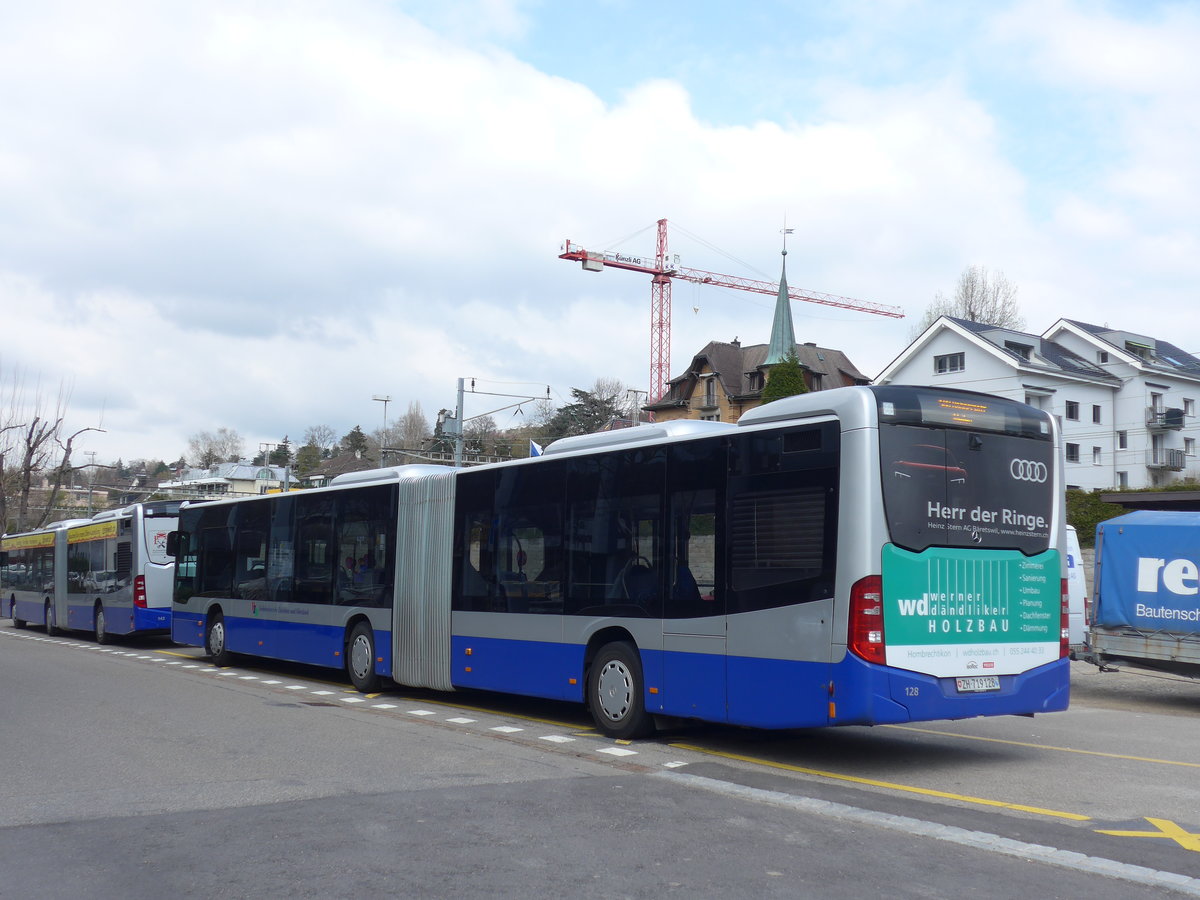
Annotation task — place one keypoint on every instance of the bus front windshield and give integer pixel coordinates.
(962, 470)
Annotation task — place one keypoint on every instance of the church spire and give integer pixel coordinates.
(783, 335)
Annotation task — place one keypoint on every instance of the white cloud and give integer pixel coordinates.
(259, 217)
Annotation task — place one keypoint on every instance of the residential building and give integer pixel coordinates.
(328, 469)
(230, 479)
(1126, 402)
(725, 380)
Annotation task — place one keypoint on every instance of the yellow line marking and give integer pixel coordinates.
(180, 655)
(971, 737)
(1166, 829)
(907, 788)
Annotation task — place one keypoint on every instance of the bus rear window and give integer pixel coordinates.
(949, 488)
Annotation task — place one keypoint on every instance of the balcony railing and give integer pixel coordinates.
(1174, 460)
(1164, 419)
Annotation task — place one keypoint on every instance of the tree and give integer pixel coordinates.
(32, 446)
(322, 437)
(591, 411)
(308, 458)
(414, 428)
(786, 379)
(355, 441)
(479, 435)
(980, 296)
(282, 454)
(206, 449)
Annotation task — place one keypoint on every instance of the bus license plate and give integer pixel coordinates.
(978, 683)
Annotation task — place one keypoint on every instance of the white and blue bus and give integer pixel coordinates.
(855, 556)
(109, 575)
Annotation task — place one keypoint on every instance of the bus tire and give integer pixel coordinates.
(12, 613)
(51, 630)
(216, 640)
(616, 692)
(360, 658)
(102, 636)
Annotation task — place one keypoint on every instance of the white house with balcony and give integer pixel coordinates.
(1126, 401)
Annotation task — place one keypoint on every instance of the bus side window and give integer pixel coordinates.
(365, 557)
(614, 542)
(314, 549)
(694, 556)
(250, 575)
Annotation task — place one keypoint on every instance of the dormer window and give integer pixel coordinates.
(1022, 350)
(1142, 351)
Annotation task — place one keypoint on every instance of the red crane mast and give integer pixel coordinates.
(662, 271)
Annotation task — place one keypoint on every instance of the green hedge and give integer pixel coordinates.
(1086, 510)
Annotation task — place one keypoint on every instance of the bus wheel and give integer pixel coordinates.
(50, 629)
(12, 613)
(616, 692)
(214, 640)
(360, 658)
(101, 632)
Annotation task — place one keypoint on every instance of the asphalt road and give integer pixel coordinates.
(142, 771)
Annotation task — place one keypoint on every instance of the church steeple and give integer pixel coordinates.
(783, 335)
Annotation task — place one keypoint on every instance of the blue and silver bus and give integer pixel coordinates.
(109, 575)
(854, 556)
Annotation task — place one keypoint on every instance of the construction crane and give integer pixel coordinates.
(662, 270)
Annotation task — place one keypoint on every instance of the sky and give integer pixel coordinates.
(261, 215)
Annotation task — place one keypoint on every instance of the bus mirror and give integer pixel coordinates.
(173, 544)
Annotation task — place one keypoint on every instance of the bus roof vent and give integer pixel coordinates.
(640, 434)
(391, 473)
(67, 523)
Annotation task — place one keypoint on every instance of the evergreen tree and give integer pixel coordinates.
(786, 379)
(355, 441)
(591, 411)
(308, 458)
(282, 454)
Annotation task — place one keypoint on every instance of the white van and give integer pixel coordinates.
(1077, 594)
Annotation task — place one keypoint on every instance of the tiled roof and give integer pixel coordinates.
(734, 364)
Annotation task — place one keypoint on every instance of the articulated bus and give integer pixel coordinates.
(109, 575)
(855, 556)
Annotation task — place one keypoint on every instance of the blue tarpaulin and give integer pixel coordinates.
(1148, 571)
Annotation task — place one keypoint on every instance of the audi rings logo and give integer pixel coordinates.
(1028, 470)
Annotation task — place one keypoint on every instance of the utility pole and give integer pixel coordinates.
(385, 400)
(91, 478)
(452, 424)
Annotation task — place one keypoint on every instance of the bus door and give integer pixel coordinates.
(694, 624)
(153, 563)
(782, 525)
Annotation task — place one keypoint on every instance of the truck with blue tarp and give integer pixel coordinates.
(1146, 601)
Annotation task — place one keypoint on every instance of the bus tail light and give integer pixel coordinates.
(139, 592)
(1064, 634)
(866, 618)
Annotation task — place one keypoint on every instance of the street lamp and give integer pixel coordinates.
(385, 400)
